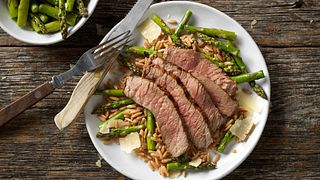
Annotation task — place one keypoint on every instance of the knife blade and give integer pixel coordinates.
(90, 81)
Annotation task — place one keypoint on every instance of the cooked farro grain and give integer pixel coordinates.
(113, 98)
(106, 114)
(228, 127)
(143, 120)
(136, 115)
(172, 21)
(231, 121)
(147, 44)
(215, 159)
(228, 63)
(102, 117)
(133, 111)
(139, 65)
(150, 164)
(106, 142)
(126, 116)
(131, 106)
(122, 108)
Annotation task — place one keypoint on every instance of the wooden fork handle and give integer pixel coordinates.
(25, 102)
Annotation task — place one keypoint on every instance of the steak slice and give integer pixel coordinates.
(193, 120)
(198, 94)
(193, 62)
(149, 95)
(226, 105)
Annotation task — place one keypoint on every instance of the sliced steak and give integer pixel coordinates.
(197, 92)
(149, 95)
(193, 120)
(226, 105)
(193, 62)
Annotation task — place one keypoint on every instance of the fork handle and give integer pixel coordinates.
(25, 102)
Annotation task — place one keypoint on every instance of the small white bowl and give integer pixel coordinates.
(32, 37)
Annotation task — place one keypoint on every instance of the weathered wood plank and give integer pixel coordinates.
(31, 145)
(278, 23)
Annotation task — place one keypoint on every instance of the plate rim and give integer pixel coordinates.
(267, 81)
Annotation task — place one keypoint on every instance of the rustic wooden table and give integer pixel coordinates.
(288, 34)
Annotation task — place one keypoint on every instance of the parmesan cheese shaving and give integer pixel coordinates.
(196, 162)
(242, 128)
(117, 123)
(248, 102)
(104, 129)
(130, 142)
(149, 30)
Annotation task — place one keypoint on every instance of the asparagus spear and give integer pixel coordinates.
(255, 87)
(165, 28)
(119, 115)
(44, 18)
(175, 166)
(248, 77)
(35, 27)
(37, 22)
(62, 18)
(54, 13)
(69, 5)
(229, 35)
(82, 9)
(111, 92)
(13, 8)
(120, 132)
(52, 27)
(23, 13)
(185, 19)
(226, 140)
(151, 145)
(228, 47)
(34, 6)
(53, 2)
(113, 105)
(230, 69)
(141, 51)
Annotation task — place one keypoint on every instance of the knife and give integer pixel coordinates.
(91, 80)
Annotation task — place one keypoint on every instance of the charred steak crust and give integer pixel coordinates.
(149, 95)
(193, 62)
(197, 92)
(193, 120)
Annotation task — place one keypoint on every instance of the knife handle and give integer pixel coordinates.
(25, 102)
(80, 95)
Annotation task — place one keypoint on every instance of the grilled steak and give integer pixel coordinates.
(149, 95)
(193, 120)
(226, 105)
(197, 92)
(192, 61)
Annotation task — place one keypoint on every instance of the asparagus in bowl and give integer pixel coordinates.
(47, 16)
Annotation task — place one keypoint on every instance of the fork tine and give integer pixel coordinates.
(110, 40)
(101, 59)
(103, 48)
(99, 62)
(107, 51)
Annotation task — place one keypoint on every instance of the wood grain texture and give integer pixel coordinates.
(32, 147)
(25, 102)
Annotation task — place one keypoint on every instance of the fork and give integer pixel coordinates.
(92, 59)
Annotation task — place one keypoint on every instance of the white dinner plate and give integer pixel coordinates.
(205, 16)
